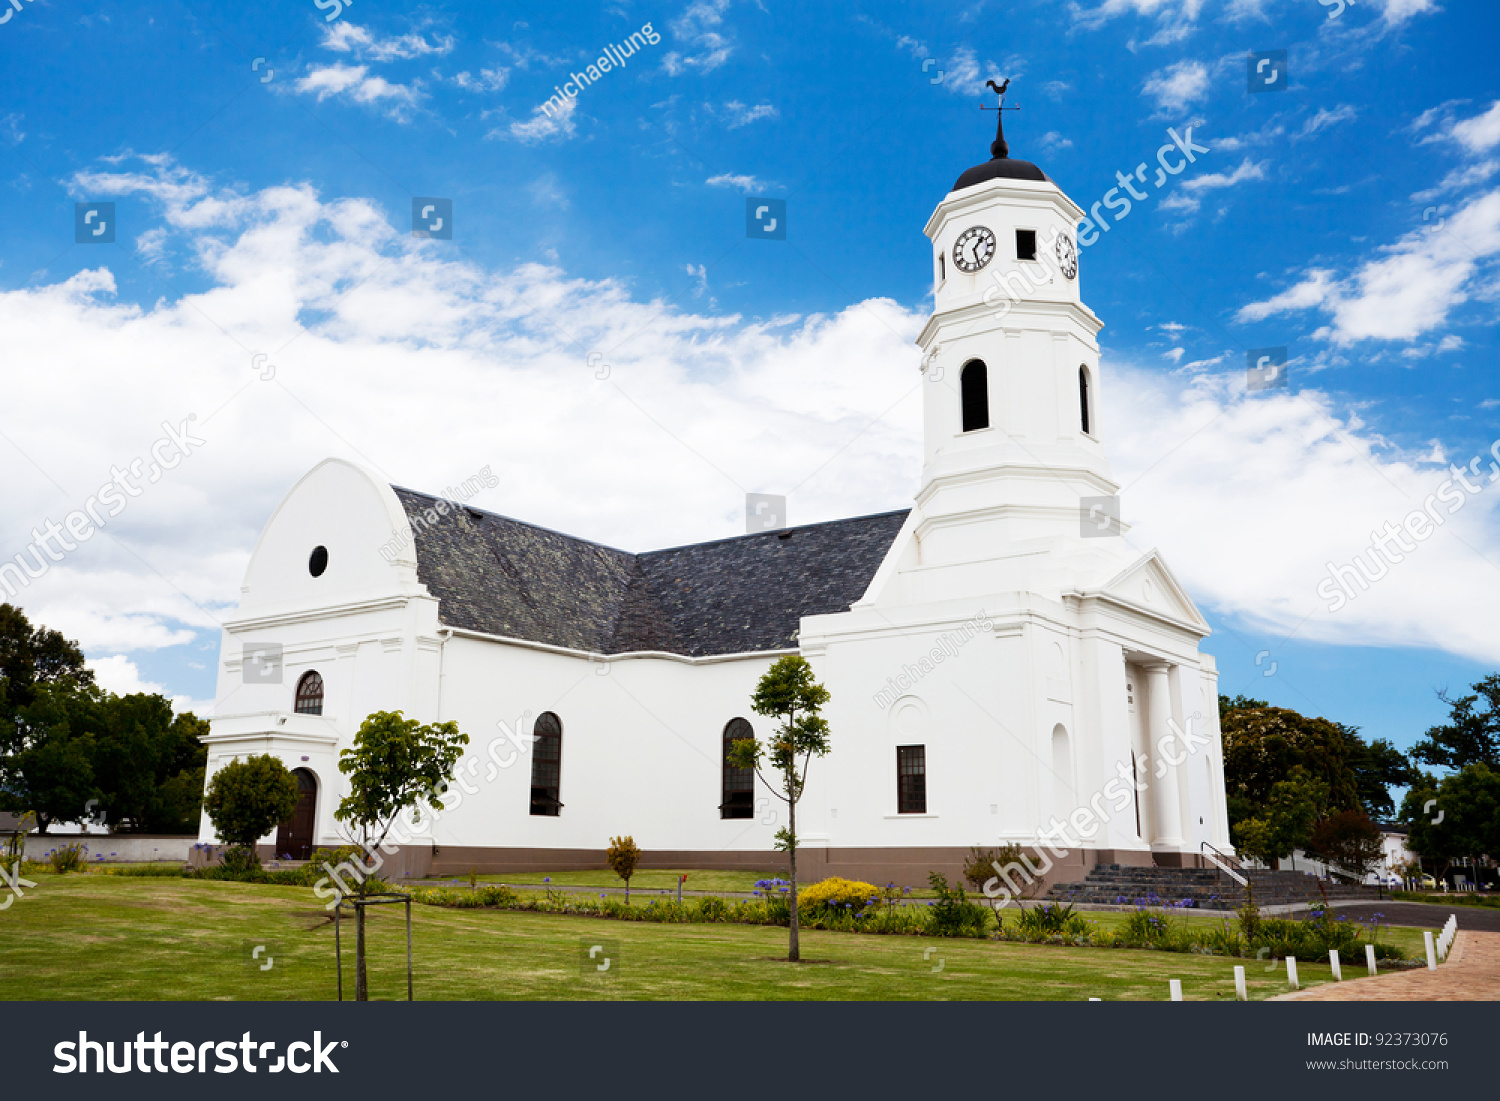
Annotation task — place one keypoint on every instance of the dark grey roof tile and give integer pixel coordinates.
(746, 594)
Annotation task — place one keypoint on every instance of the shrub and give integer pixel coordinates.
(496, 895)
(147, 871)
(846, 895)
(246, 799)
(712, 908)
(68, 858)
(953, 915)
(1222, 940)
(1051, 919)
(239, 858)
(1148, 928)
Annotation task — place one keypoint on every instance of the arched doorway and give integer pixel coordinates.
(294, 837)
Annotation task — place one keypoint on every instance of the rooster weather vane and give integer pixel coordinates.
(999, 148)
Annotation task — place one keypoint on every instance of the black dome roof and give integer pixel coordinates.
(1001, 168)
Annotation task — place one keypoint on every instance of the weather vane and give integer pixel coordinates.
(999, 148)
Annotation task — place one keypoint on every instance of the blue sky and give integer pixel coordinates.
(1351, 218)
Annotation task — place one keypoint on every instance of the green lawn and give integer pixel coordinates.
(108, 937)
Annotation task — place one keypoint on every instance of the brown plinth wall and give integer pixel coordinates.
(906, 867)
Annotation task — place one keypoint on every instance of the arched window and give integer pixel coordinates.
(1062, 772)
(1083, 400)
(973, 384)
(738, 789)
(546, 765)
(309, 694)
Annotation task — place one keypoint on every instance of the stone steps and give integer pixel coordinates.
(1194, 888)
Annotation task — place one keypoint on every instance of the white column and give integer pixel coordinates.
(1164, 787)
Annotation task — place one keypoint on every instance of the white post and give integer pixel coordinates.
(1370, 957)
(1291, 972)
(1333, 961)
(1175, 985)
(1431, 949)
(1239, 984)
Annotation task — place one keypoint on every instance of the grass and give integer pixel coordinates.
(110, 937)
(1451, 898)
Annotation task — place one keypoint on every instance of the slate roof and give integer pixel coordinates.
(504, 577)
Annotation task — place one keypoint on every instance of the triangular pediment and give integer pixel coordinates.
(1148, 584)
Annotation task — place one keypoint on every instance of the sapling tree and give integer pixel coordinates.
(246, 800)
(789, 694)
(622, 856)
(395, 765)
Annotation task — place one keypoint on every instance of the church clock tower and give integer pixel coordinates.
(1013, 439)
(1017, 661)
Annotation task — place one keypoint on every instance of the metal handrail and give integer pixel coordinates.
(1221, 861)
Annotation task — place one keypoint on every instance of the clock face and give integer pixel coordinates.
(1067, 256)
(973, 249)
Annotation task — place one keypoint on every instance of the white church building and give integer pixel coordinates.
(1001, 654)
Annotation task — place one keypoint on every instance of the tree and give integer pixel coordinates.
(32, 656)
(248, 799)
(1264, 747)
(1471, 735)
(1456, 816)
(1377, 766)
(788, 693)
(622, 856)
(395, 765)
(47, 769)
(1285, 822)
(147, 762)
(1350, 840)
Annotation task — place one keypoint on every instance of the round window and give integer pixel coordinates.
(318, 561)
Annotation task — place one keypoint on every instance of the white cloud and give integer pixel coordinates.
(747, 184)
(346, 37)
(698, 408)
(1052, 141)
(1251, 496)
(554, 121)
(1479, 134)
(354, 83)
(1399, 11)
(1178, 86)
(488, 80)
(699, 29)
(741, 115)
(1405, 293)
(1324, 119)
(118, 674)
(1188, 196)
(1458, 180)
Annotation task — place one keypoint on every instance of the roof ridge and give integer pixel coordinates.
(777, 531)
(659, 550)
